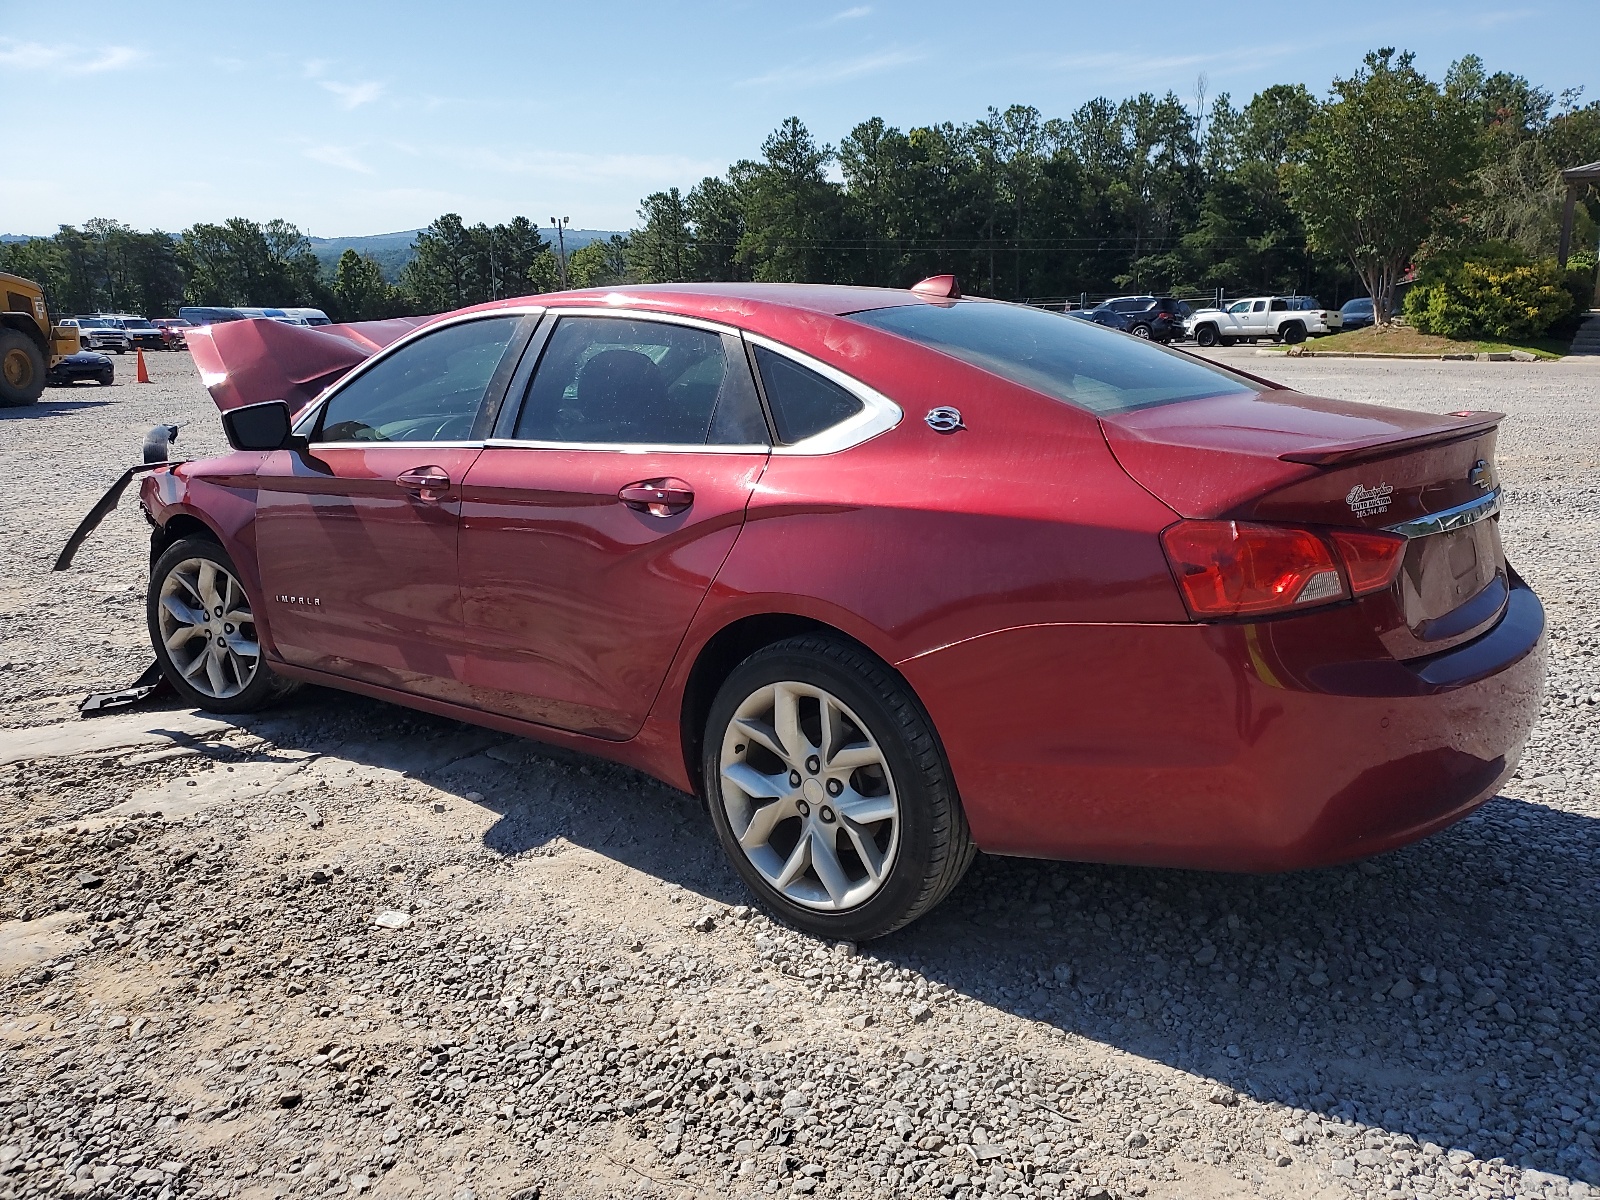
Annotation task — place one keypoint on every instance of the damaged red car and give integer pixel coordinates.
(885, 576)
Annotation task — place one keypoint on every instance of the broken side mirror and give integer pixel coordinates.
(267, 426)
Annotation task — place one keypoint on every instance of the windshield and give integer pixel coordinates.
(137, 323)
(1075, 361)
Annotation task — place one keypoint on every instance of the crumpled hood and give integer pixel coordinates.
(248, 362)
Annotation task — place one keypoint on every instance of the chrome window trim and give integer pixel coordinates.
(643, 314)
(878, 414)
(626, 447)
(308, 415)
(397, 445)
(1459, 517)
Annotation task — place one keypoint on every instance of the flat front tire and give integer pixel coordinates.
(204, 632)
(829, 791)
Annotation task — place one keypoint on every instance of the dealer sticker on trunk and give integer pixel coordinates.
(1369, 501)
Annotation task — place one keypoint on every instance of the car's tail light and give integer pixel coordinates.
(1371, 559)
(1243, 569)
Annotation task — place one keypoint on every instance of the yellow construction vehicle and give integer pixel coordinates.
(29, 343)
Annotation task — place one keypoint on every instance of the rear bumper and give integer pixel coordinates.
(1237, 747)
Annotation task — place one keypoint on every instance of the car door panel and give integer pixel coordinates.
(360, 571)
(575, 602)
(357, 535)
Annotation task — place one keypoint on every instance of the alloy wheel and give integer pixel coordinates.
(208, 629)
(809, 796)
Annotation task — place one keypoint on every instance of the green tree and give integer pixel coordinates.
(660, 250)
(360, 290)
(1385, 162)
(600, 263)
(440, 275)
(792, 209)
(715, 208)
(242, 263)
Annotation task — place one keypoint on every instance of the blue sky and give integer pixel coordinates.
(366, 118)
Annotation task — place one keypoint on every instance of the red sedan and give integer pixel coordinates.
(886, 576)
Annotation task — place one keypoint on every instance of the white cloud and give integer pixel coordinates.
(66, 58)
(338, 156)
(850, 14)
(354, 95)
(813, 74)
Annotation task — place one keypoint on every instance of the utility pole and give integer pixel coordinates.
(561, 244)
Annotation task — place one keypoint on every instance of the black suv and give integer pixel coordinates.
(1158, 318)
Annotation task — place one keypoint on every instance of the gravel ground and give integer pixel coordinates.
(563, 993)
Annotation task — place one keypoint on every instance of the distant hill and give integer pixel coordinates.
(394, 250)
(17, 237)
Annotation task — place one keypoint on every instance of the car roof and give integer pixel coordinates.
(725, 300)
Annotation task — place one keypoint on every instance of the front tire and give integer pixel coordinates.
(22, 369)
(829, 791)
(204, 633)
(1206, 336)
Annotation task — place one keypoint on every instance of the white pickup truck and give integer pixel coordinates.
(1282, 318)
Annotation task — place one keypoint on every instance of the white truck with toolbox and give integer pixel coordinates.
(1289, 319)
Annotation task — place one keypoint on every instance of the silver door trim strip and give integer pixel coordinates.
(627, 447)
(1459, 517)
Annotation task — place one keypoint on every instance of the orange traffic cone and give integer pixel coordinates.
(144, 374)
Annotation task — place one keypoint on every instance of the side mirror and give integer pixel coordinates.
(261, 427)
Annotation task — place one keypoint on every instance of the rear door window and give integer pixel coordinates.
(803, 403)
(629, 381)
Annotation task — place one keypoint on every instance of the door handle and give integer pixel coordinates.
(425, 483)
(658, 497)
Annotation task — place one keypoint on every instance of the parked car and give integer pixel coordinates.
(1102, 314)
(1282, 318)
(885, 576)
(145, 335)
(198, 316)
(308, 316)
(100, 333)
(172, 331)
(83, 365)
(1358, 314)
(1155, 318)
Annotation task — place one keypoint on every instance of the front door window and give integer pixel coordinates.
(429, 390)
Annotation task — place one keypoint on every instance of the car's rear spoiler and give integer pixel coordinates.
(1463, 425)
(247, 362)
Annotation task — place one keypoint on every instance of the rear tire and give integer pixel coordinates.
(22, 369)
(204, 633)
(854, 829)
(1141, 331)
(1294, 333)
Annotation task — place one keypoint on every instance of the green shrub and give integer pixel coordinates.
(1489, 293)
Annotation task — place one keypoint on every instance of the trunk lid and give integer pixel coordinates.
(1284, 458)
